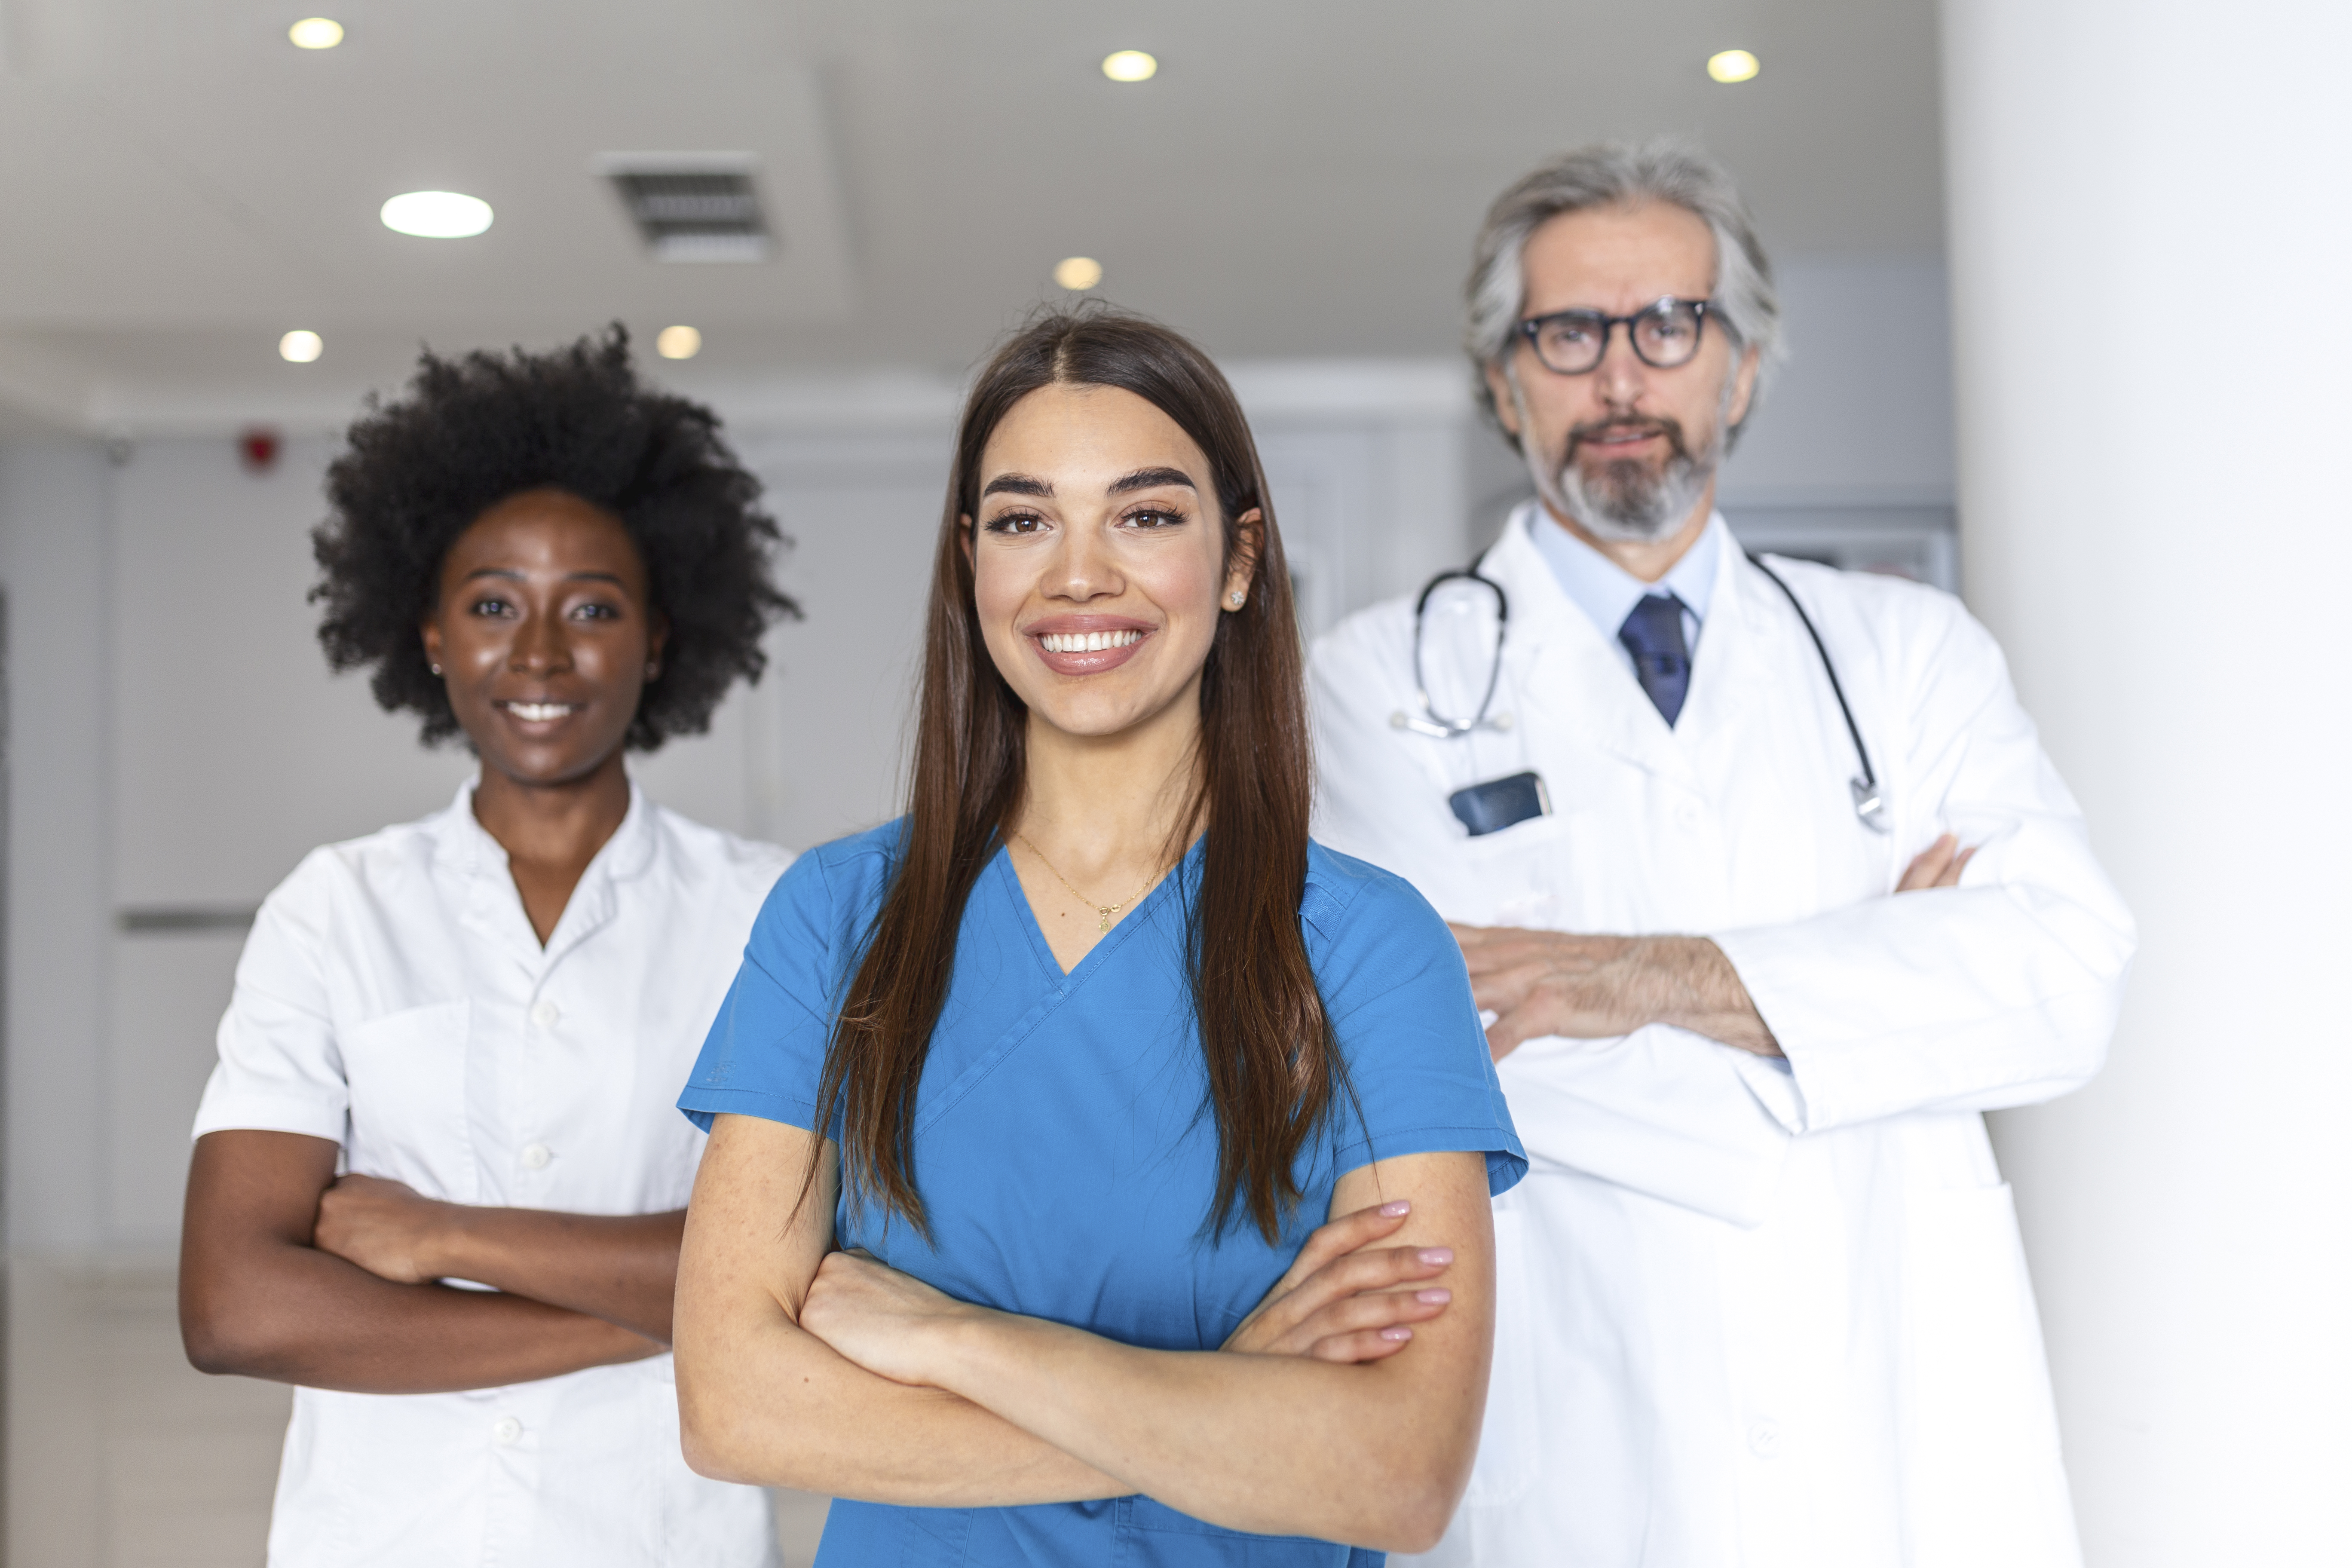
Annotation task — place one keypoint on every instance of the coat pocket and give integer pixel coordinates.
(1981, 1469)
(1514, 873)
(407, 1075)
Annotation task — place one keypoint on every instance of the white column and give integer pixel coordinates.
(2150, 249)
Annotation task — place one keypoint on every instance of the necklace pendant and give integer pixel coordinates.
(1105, 924)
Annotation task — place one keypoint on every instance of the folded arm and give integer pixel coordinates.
(258, 1297)
(900, 1395)
(2001, 990)
(763, 1400)
(620, 1267)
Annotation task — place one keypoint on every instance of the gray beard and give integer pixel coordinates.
(1629, 501)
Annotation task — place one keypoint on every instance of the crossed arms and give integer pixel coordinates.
(804, 1367)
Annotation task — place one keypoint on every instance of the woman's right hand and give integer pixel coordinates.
(1344, 1298)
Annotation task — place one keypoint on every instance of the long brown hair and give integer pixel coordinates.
(1274, 1066)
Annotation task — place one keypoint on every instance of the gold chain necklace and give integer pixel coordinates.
(1103, 911)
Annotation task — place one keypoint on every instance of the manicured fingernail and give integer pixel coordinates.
(1432, 1298)
(1396, 1333)
(1401, 1207)
(1435, 1255)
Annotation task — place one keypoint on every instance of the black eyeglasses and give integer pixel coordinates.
(1571, 342)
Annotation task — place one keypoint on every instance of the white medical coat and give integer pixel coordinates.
(393, 998)
(1755, 1313)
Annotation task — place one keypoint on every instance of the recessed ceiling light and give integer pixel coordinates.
(1077, 273)
(1733, 65)
(1130, 64)
(301, 348)
(678, 342)
(436, 215)
(316, 33)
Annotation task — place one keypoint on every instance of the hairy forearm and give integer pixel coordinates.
(620, 1267)
(769, 1405)
(1274, 1444)
(1688, 981)
(293, 1314)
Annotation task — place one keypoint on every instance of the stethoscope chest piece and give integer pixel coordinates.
(1870, 805)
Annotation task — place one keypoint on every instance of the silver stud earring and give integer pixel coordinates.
(1237, 601)
(436, 669)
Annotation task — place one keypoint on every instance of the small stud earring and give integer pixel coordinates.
(436, 669)
(1237, 601)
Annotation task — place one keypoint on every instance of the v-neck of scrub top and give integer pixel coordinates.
(1001, 882)
(1002, 868)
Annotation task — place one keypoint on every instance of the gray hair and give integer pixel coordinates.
(1624, 173)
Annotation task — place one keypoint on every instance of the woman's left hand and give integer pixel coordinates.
(871, 1314)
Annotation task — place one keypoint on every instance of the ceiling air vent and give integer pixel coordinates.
(692, 207)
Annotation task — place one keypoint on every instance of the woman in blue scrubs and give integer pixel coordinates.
(1022, 1106)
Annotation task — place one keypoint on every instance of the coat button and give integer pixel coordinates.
(535, 1156)
(1764, 1440)
(506, 1432)
(544, 1013)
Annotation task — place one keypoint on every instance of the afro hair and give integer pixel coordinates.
(471, 431)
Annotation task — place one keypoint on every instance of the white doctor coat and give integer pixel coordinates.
(1752, 1312)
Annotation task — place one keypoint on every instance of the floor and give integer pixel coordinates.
(119, 1455)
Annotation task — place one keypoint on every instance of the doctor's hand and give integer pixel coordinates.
(1344, 1298)
(1938, 865)
(1543, 982)
(386, 1227)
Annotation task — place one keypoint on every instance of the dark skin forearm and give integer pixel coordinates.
(257, 1298)
(620, 1267)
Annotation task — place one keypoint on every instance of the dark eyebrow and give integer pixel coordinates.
(1017, 485)
(1145, 478)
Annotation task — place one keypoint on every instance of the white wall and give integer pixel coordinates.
(54, 545)
(2158, 528)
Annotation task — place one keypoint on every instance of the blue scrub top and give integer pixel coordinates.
(1064, 1149)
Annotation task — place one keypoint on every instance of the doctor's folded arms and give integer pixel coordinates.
(1099, 1169)
(1767, 890)
(437, 1182)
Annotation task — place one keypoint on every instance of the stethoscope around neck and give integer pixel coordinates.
(1869, 795)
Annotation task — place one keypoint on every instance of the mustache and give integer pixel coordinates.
(1651, 425)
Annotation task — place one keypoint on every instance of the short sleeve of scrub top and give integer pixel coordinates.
(1063, 1148)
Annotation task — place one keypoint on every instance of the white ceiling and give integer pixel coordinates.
(181, 184)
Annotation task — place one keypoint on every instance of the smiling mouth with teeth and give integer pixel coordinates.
(1087, 642)
(538, 713)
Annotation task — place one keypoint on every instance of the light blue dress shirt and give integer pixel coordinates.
(1608, 592)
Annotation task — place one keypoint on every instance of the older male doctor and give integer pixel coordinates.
(1767, 890)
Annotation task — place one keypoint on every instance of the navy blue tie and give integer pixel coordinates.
(1653, 633)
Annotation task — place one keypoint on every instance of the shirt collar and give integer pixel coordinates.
(466, 845)
(1605, 590)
